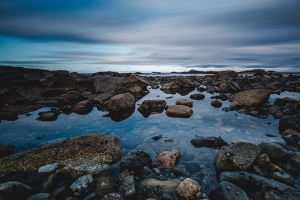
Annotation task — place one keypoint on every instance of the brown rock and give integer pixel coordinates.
(168, 159)
(291, 132)
(253, 97)
(179, 111)
(184, 102)
(188, 187)
(183, 82)
(106, 83)
(226, 74)
(134, 80)
(60, 79)
(83, 107)
(121, 102)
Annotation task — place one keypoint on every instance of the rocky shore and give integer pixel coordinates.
(91, 166)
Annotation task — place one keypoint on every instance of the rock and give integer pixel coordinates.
(188, 187)
(283, 101)
(197, 96)
(238, 156)
(210, 142)
(184, 102)
(282, 177)
(179, 111)
(169, 86)
(6, 150)
(166, 185)
(121, 102)
(226, 74)
(61, 192)
(112, 196)
(168, 159)
(135, 160)
(118, 116)
(90, 196)
(83, 107)
(48, 169)
(227, 191)
(100, 98)
(105, 185)
(75, 168)
(294, 157)
(180, 170)
(289, 122)
(60, 79)
(106, 83)
(137, 91)
(127, 188)
(51, 182)
(263, 161)
(229, 86)
(274, 151)
(41, 196)
(253, 97)
(183, 82)
(101, 148)
(216, 103)
(133, 81)
(14, 190)
(157, 137)
(47, 116)
(82, 185)
(149, 107)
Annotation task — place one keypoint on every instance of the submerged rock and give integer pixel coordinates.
(113, 196)
(169, 185)
(168, 159)
(253, 97)
(211, 142)
(227, 191)
(101, 148)
(47, 116)
(41, 196)
(15, 190)
(105, 185)
(197, 96)
(187, 188)
(127, 188)
(135, 160)
(216, 103)
(179, 111)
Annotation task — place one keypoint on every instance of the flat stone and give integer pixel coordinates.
(210, 142)
(253, 97)
(166, 185)
(179, 111)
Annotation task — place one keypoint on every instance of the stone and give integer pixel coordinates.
(14, 190)
(90, 196)
(274, 151)
(216, 103)
(102, 148)
(282, 177)
(105, 185)
(169, 86)
(180, 170)
(6, 149)
(254, 97)
(127, 188)
(229, 86)
(183, 82)
(82, 185)
(121, 102)
(48, 169)
(197, 96)
(61, 192)
(75, 168)
(47, 116)
(227, 191)
(133, 81)
(135, 160)
(263, 161)
(184, 102)
(61, 79)
(169, 185)
(149, 107)
(106, 83)
(41, 196)
(51, 182)
(187, 188)
(294, 157)
(210, 142)
(238, 156)
(168, 159)
(83, 107)
(179, 111)
(100, 98)
(113, 196)
(289, 122)
(226, 74)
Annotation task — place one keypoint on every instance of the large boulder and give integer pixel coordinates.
(238, 156)
(83, 107)
(106, 83)
(101, 148)
(226, 74)
(121, 102)
(229, 86)
(133, 81)
(253, 97)
(179, 111)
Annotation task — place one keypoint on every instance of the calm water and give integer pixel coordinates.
(136, 131)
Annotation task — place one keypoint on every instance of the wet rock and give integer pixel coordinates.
(180, 170)
(6, 150)
(188, 187)
(135, 160)
(184, 102)
(197, 96)
(61, 192)
(105, 185)
(83, 107)
(82, 185)
(294, 157)
(227, 191)
(283, 101)
(106, 83)
(101, 98)
(121, 102)
(76, 168)
(133, 81)
(166, 185)
(216, 103)
(282, 177)
(14, 190)
(263, 161)
(102, 148)
(166, 196)
(183, 82)
(238, 156)
(112, 196)
(52, 181)
(149, 107)
(253, 97)
(47, 116)
(48, 169)
(169, 86)
(127, 188)
(118, 116)
(274, 151)
(179, 111)
(168, 159)
(90, 196)
(289, 122)
(210, 142)
(41, 196)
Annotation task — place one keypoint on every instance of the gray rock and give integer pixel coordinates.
(61, 192)
(106, 83)
(41, 196)
(294, 157)
(253, 97)
(51, 182)
(282, 177)
(128, 189)
(273, 150)
(216, 103)
(82, 185)
(135, 160)
(105, 185)
(90, 196)
(14, 190)
(211, 142)
(227, 191)
(180, 170)
(48, 169)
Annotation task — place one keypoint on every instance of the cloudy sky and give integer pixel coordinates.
(146, 36)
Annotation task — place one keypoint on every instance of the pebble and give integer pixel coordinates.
(48, 169)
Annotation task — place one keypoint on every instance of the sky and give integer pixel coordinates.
(146, 36)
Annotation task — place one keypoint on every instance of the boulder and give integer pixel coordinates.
(83, 107)
(226, 74)
(61, 79)
(168, 159)
(289, 122)
(101, 148)
(183, 82)
(187, 188)
(100, 98)
(294, 157)
(133, 81)
(169, 86)
(105, 185)
(210, 142)
(229, 86)
(179, 111)
(238, 156)
(253, 97)
(149, 107)
(14, 190)
(121, 102)
(106, 83)
(135, 160)
(184, 102)
(169, 185)
(274, 151)
(197, 96)
(227, 191)
(82, 185)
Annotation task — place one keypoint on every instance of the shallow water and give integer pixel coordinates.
(136, 131)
